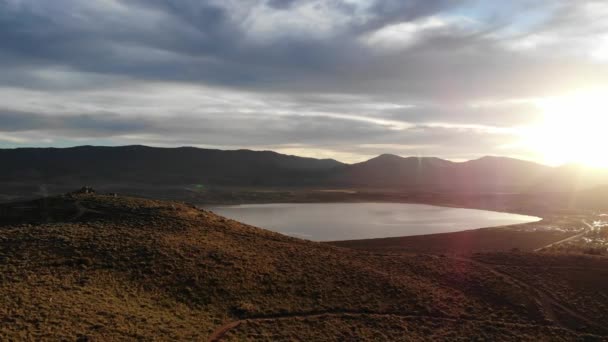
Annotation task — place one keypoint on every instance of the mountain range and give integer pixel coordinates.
(188, 165)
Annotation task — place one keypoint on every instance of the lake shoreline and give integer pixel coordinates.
(384, 219)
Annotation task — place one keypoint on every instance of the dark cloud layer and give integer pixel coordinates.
(318, 74)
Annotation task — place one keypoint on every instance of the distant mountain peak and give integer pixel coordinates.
(493, 158)
(387, 156)
(502, 159)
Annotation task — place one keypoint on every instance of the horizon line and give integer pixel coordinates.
(458, 161)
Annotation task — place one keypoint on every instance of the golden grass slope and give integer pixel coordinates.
(100, 268)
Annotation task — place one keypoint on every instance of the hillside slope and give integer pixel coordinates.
(100, 268)
(153, 165)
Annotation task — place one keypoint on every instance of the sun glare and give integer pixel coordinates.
(574, 129)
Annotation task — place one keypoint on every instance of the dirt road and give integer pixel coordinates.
(573, 237)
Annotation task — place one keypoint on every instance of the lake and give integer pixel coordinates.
(350, 221)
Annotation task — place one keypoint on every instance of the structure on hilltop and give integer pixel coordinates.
(84, 190)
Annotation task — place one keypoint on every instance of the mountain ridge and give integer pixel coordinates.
(192, 165)
(187, 147)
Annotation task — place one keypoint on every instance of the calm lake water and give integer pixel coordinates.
(350, 221)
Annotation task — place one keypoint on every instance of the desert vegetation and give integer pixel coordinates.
(95, 267)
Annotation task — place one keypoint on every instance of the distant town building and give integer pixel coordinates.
(85, 190)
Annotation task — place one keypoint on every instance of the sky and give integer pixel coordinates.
(343, 79)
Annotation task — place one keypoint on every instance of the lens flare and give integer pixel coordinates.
(574, 129)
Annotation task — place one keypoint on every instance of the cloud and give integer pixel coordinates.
(236, 122)
(300, 46)
(97, 124)
(450, 78)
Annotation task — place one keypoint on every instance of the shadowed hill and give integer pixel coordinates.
(152, 165)
(142, 166)
(487, 174)
(389, 170)
(103, 268)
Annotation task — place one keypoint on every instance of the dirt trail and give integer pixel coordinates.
(221, 331)
(545, 301)
(553, 267)
(81, 210)
(548, 302)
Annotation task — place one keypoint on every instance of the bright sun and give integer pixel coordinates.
(574, 129)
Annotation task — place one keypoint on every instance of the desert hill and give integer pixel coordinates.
(97, 268)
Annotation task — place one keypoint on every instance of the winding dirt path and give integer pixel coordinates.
(223, 330)
(81, 210)
(546, 300)
(220, 332)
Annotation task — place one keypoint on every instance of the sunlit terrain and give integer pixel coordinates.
(303, 170)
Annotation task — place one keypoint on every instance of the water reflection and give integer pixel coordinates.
(346, 221)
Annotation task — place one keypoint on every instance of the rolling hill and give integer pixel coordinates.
(487, 174)
(147, 166)
(151, 165)
(96, 268)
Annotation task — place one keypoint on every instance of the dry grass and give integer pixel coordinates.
(462, 243)
(105, 268)
(395, 328)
